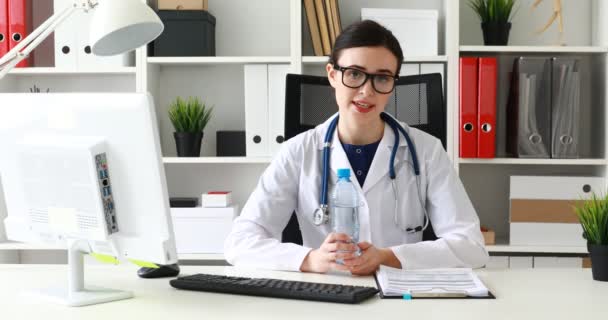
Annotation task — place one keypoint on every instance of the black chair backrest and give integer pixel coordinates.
(310, 100)
(417, 101)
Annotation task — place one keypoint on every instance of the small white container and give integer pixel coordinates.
(202, 230)
(416, 30)
(216, 199)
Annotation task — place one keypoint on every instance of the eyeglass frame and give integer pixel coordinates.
(368, 76)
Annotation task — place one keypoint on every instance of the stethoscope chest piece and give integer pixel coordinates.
(321, 215)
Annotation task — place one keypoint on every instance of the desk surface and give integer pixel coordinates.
(521, 294)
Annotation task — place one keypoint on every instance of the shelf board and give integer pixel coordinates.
(58, 71)
(580, 162)
(216, 60)
(502, 248)
(181, 256)
(27, 246)
(218, 160)
(541, 49)
(201, 256)
(323, 59)
(505, 248)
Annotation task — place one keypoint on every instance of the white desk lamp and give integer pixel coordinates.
(117, 26)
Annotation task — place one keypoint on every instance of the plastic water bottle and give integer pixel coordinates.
(344, 208)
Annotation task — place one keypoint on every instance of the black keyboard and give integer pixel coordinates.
(275, 288)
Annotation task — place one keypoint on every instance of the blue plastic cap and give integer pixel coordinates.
(343, 173)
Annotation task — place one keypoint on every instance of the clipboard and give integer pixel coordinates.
(455, 295)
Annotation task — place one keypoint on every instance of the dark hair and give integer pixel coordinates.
(367, 33)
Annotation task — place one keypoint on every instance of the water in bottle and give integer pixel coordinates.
(344, 208)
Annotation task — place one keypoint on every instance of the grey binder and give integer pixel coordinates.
(529, 108)
(565, 108)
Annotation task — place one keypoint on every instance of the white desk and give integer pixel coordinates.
(521, 294)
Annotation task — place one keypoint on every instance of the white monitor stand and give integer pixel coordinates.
(76, 294)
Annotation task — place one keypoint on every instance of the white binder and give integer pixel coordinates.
(86, 60)
(66, 38)
(276, 105)
(256, 110)
(72, 46)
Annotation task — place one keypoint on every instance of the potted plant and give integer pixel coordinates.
(189, 119)
(593, 216)
(495, 18)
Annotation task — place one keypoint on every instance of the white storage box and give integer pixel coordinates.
(216, 199)
(202, 230)
(416, 30)
(541, 209)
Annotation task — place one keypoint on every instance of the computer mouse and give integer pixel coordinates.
(163, 271)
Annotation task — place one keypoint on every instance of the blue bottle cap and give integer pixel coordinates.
(343, 173)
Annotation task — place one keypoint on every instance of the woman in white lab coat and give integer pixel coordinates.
(362, 68)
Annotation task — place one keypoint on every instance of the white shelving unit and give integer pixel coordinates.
(216, 160)
(215, 60)
(276, 32)
(58, 72)
(323, 60)
(487, 180)
(539, 49)
(545, 162)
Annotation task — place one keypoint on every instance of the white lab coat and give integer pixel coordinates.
(293, 182)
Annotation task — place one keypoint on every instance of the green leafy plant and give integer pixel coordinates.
(493, 10)
(189, 116)
(593, 216)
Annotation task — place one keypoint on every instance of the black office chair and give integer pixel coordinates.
(310, 100)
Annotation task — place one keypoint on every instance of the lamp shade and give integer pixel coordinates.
(119, 26)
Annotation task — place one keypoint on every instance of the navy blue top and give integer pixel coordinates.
(360, 158)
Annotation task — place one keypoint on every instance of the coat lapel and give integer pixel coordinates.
(381, 162)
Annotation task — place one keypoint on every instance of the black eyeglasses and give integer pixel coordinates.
(355, 78)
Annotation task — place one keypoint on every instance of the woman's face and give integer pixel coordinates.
(364, 104)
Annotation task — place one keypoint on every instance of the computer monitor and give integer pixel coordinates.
(85, 171)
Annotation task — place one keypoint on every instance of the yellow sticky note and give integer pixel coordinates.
(144, 263)
(104, 258)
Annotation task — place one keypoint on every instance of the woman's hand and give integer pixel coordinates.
(371, 258)
(324, 259)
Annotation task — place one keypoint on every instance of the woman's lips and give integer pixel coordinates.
(362, 109)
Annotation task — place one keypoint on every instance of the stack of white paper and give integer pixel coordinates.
(430, 282)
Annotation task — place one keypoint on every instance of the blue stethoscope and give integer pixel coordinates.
(321, 214)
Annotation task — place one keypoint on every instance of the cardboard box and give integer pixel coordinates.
(489, 237)
(182, 5)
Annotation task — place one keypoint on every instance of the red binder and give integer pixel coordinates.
(486, 142)
(3, 27)
(468, 107)
(17, 25)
